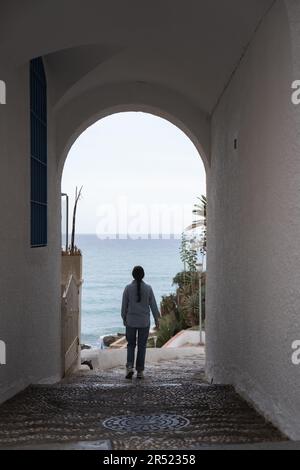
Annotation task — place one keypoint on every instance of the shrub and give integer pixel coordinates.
(169, 327)
(186, 280)
(168, 304)
(151, 342)
(181, 311)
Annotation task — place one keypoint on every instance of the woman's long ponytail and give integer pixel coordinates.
(139, 290)
(138, 274)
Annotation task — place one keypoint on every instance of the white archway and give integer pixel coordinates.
(79, 114)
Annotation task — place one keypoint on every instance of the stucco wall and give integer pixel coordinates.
(29, 296)
(254, 225)
(254, 203)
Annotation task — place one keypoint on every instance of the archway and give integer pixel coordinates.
(187, 153)
(75, 115)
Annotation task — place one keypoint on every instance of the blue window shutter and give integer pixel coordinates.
(38, 138)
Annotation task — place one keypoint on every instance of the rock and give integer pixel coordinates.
(85, 346)
(88, 363)
(108, 340)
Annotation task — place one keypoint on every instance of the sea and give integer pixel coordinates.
(107, 267)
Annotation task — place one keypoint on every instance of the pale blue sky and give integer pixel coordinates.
(140, 174)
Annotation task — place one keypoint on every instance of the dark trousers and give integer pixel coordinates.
(137, 336)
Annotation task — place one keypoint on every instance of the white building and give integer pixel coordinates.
(222, 71)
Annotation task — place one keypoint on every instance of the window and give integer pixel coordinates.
(38, 125)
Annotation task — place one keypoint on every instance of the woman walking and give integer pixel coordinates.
(138, 299)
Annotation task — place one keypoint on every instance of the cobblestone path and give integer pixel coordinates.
(183, 411)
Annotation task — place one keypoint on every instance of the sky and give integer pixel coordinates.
(140, 175)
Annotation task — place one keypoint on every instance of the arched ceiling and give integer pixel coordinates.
(190, 46)
(80, 113)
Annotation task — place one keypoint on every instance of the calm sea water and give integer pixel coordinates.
(107, 266)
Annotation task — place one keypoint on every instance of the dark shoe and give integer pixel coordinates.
(140, 375)
(129, 373)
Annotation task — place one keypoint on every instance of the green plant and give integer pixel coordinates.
(185, 279)
(190, 309)
(182, 319)
(188, 297)
(188, 254)
(183, 248)
(200, 209)
(168, 304)
(182, 311)
(169, 327)
(151, 342)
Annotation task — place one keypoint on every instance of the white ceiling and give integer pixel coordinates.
(189, 46)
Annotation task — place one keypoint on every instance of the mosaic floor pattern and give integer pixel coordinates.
(173, 408)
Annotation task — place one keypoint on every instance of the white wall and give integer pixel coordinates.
(254, 201)
(253, 311)
(29, 278)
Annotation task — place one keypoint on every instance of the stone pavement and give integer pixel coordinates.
(173, 408)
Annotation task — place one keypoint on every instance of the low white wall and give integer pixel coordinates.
(104, 359)
(185, 337)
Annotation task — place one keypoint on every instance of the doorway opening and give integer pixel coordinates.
(141, 177)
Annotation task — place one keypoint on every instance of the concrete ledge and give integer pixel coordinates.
(185, 338)
(104, 359)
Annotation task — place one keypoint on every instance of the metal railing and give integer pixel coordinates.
(70, 323)
(67, 219)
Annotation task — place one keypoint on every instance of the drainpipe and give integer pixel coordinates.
(67, 219)
(200, 271)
